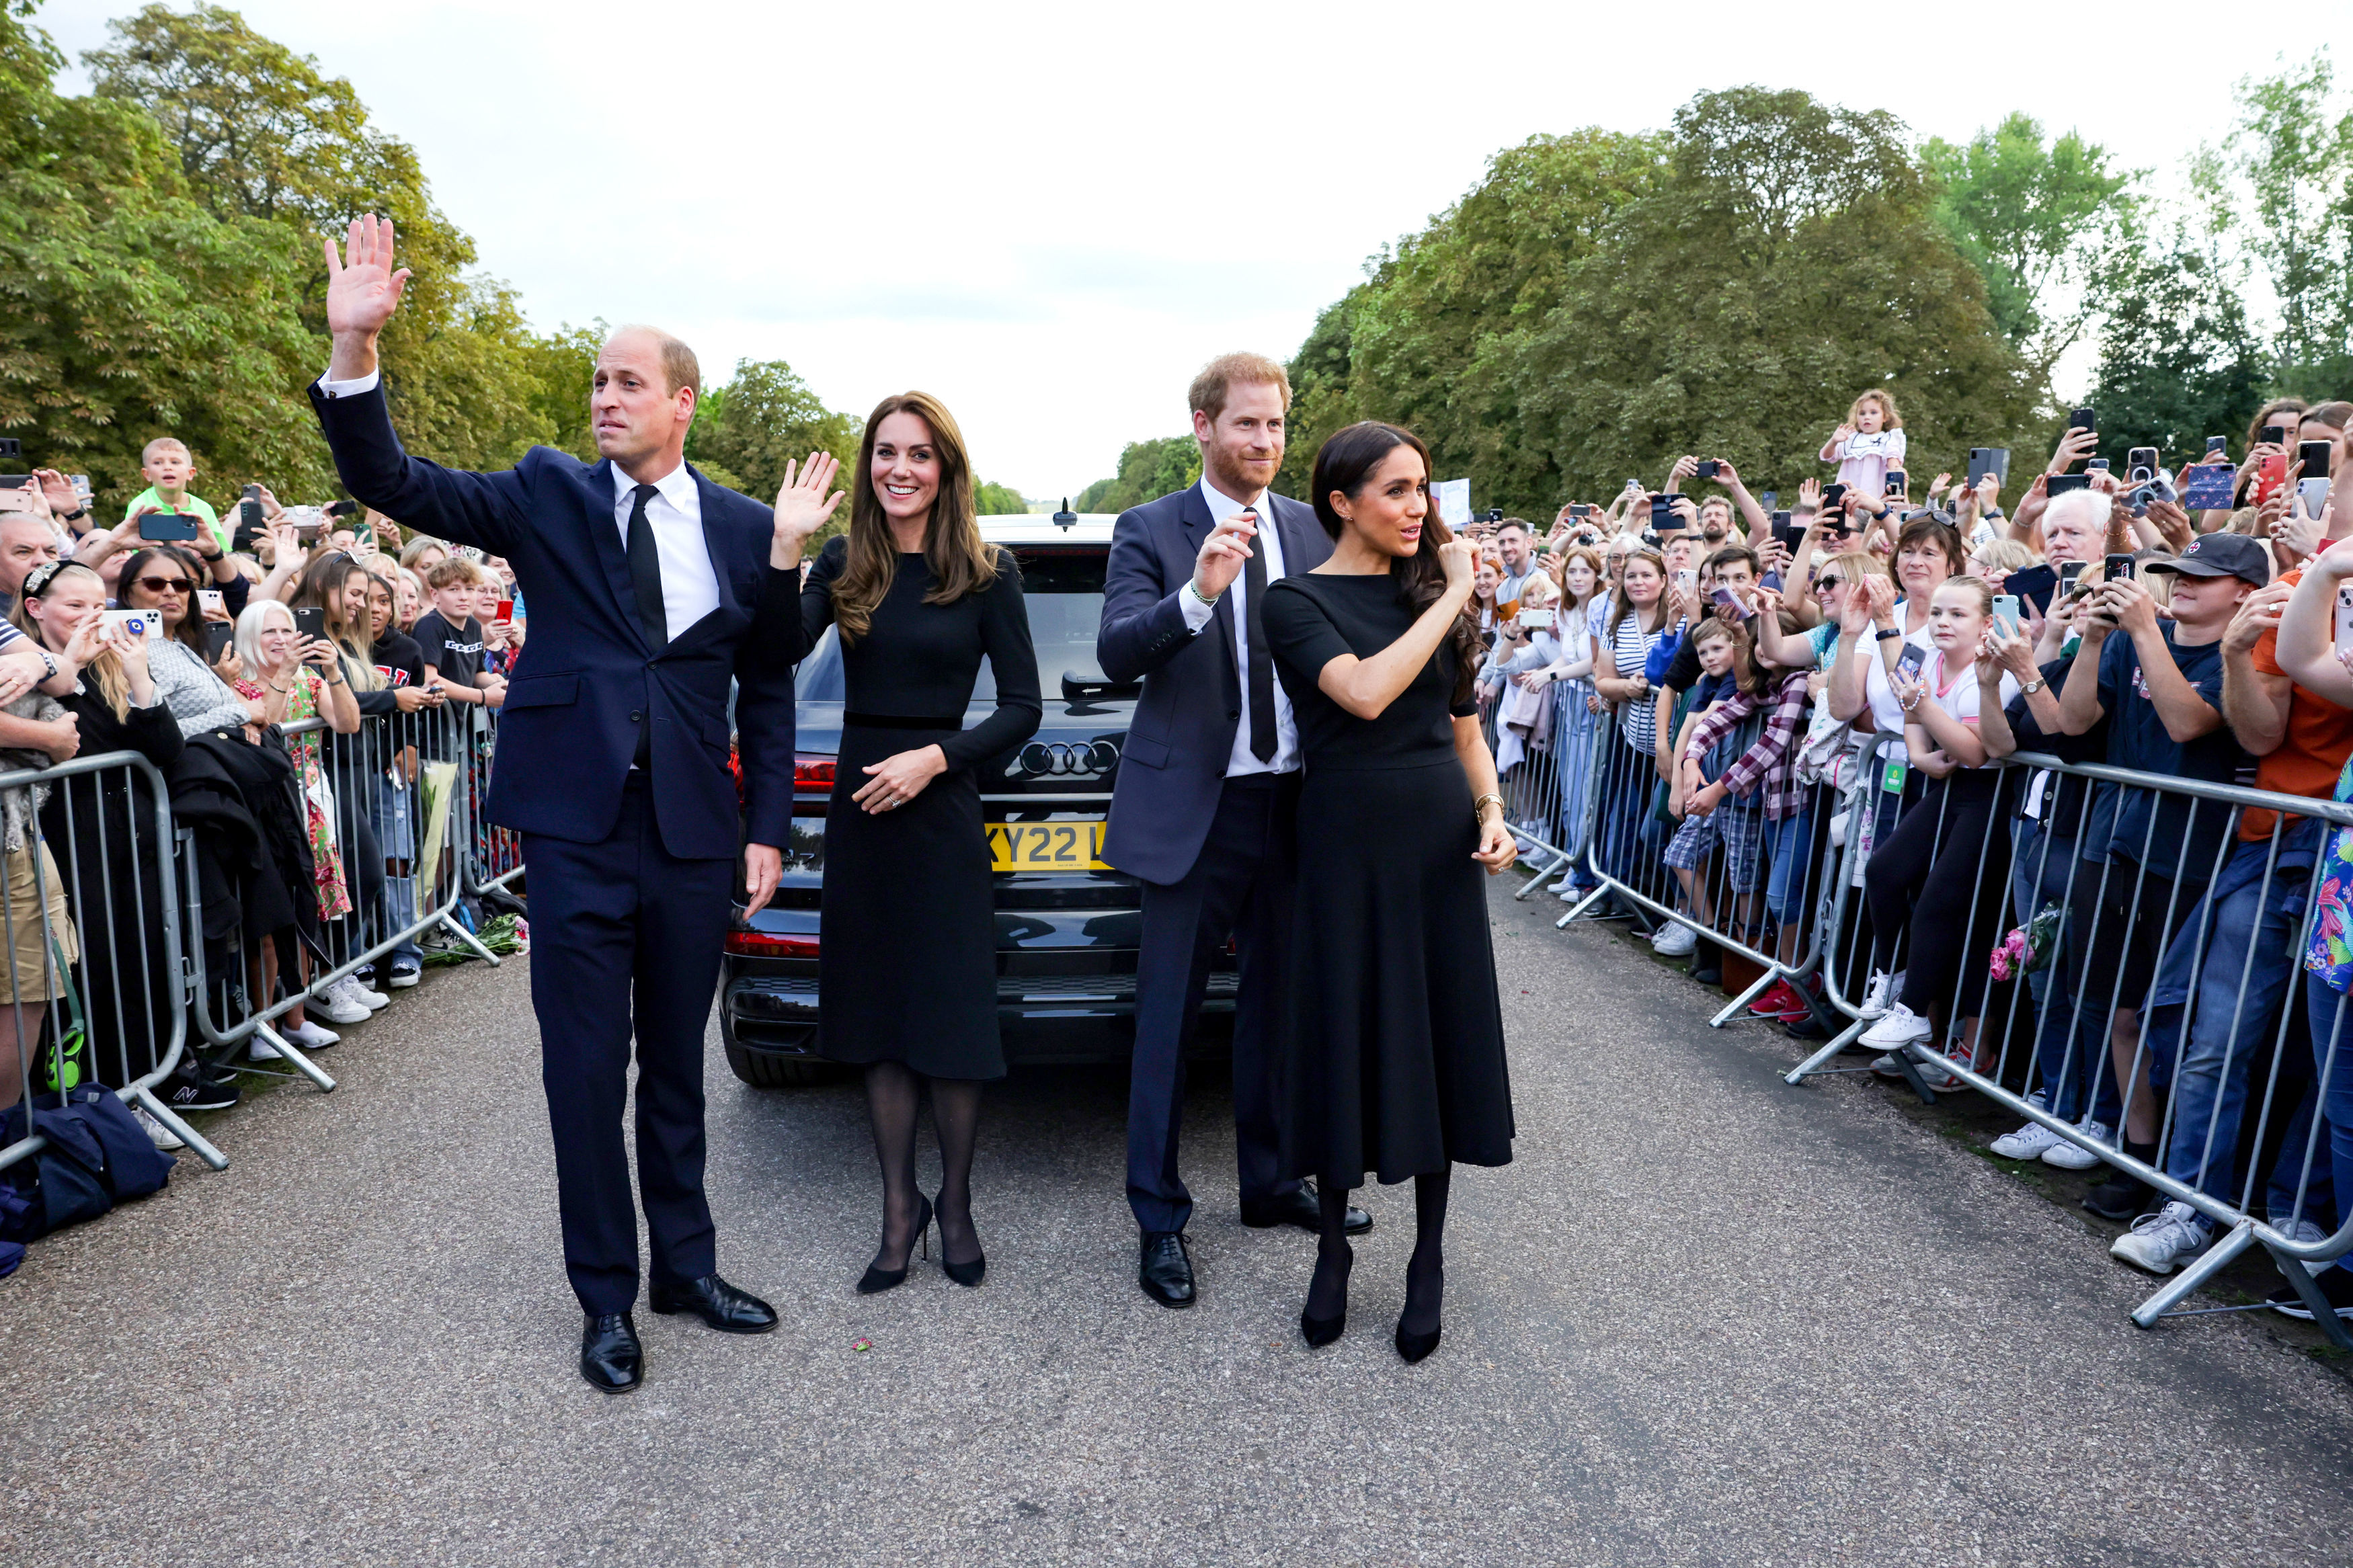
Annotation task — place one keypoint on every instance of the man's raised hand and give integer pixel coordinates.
(1223, 552)
(363, 291)
(804, 503)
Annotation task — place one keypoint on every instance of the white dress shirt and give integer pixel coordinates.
(689, 582)
(1196, 615)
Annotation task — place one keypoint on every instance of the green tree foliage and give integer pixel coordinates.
(127, 308)
(560, 366)
(997, 500)
(2039, 220)
(1789, 259)
(1147, 469)
(2179, 359)
(2290, 161)
(1600, 304)
(260, 133)
(1428, 340)
(762, 418)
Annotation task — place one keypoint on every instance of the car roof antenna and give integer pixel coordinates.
(1066, 518)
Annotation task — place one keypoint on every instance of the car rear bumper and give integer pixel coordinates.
(1045, 1018)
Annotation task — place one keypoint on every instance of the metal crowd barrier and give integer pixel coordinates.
(96, 981)
(1754, 883)
(102, 914)
(404, 791)
(2068, 1033)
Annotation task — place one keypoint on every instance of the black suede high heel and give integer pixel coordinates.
(967, 1274)
(1414, 1346)
(874, 1281)
(1321, 1331)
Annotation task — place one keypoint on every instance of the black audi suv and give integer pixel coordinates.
(1067, 925)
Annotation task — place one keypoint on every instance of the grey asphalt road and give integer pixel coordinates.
(1704, 1318)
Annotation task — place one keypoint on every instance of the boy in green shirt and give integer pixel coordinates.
(168, 467)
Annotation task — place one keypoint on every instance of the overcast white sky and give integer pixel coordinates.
(1051, 215)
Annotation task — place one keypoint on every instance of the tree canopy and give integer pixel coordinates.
(1601, 303)
(162, 272)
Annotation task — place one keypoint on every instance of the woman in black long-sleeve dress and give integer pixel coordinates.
(1396, 1056)
(907, 936)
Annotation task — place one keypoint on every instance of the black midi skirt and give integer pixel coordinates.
(907, 932)
(1394, 1060)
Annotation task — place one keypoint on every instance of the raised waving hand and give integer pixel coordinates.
(803, 505)
(363, 291)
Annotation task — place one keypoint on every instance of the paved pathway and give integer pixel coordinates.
(1704, 1319)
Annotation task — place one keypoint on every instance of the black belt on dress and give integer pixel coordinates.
(900, 721)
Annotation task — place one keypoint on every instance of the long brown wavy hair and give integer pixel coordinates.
(1345, 463)
(961, 561)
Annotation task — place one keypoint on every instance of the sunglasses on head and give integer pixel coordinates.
(165, 584)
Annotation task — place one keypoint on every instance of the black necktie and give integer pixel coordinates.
(1261, 666)
(645, 570)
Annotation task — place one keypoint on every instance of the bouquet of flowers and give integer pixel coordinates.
(2029, 947)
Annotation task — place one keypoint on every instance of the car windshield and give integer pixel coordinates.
(1063, 586)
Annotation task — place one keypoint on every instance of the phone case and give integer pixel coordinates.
(2208, 487)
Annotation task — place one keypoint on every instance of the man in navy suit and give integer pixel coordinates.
(1207, 795)
(646, 582)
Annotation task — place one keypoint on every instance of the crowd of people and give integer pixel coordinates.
(1709, 698)
(208, 640)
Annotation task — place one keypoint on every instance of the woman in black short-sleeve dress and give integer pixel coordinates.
(1395, 1063)
(907, 929)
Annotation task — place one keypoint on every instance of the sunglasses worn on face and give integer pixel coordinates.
(165, 584)
(1830, 580)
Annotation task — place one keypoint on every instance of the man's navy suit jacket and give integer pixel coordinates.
(1173, 766)
(588, 681)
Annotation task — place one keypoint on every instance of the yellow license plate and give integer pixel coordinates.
(1046, 846)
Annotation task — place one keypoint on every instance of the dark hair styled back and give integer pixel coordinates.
(1345, 465)
(191, 629)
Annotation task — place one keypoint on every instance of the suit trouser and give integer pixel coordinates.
(616, 923)
(1241, 885)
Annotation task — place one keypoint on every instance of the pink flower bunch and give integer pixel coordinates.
(2012, 956)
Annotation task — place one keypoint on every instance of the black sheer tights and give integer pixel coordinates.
(893, 1094)
(1425, 1273)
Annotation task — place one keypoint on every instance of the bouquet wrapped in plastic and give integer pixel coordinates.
(2029, 947)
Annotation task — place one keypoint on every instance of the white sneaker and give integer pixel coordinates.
(1877, 995)
(158, 1134)
(403, 976)
(2162, 1241)
(1675, 939)
(340, 1005)
(1562, 886)
(352, 990)
(2070, 1157)
(2303, 1230)
(1900, 1027)
(2030, 1140)
(310, 1036)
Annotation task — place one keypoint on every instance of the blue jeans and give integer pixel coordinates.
(2333, 1084)
(2246, 933)
(1789, 843)
(396, 827)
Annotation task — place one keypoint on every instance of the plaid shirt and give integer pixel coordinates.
(1768, 763)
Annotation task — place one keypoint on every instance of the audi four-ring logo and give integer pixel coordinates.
(1066, 759)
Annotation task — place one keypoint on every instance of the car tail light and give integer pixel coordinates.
(813, 772)
(765, 944)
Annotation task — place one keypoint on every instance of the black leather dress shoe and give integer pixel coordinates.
(1298, 1207)
(1166, 1268)
(716, 1302)
(610, 1358)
